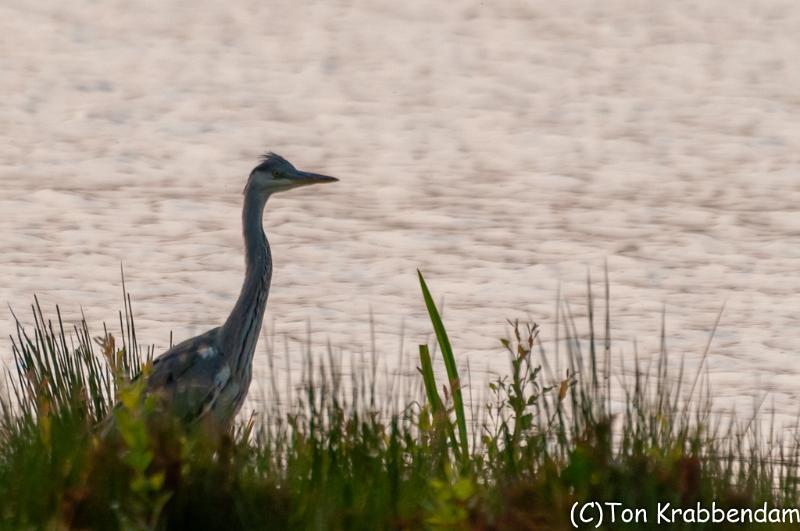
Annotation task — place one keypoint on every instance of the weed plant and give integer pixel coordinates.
(333, 455)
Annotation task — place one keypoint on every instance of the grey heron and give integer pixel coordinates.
(208, 376)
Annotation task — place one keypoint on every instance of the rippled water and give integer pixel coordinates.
(505, 148)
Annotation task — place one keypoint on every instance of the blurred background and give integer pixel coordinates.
(506, 148)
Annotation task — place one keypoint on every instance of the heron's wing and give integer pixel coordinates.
(190, 376)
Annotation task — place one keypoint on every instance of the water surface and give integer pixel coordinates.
(505, 148)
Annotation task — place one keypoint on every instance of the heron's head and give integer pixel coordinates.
(276, 174)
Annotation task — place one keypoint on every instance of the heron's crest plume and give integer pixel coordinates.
(271, 156)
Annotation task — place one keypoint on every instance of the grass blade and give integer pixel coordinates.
(449, 363)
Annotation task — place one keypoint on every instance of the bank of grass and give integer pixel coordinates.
(335, 456)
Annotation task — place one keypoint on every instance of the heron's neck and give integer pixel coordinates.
(256, 248)
(241, 330)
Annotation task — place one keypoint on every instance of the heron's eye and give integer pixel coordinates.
(277, 174)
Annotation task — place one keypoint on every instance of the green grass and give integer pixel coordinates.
(330, 454)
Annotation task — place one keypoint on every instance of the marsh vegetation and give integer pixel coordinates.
(331, 453)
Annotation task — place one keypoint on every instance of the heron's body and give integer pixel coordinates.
(209, 375)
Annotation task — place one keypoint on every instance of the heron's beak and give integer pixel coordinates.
(302, 178)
